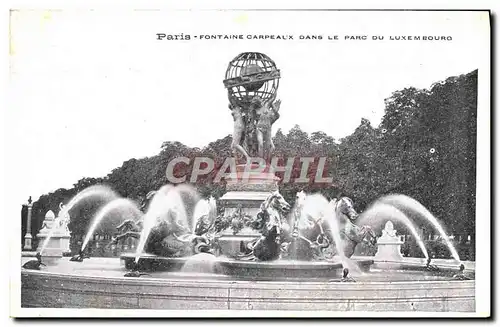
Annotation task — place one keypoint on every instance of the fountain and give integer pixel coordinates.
(59, 225)
(405, 202)
(381, 212)
(250, 249)
(126, 208)
(54, 235)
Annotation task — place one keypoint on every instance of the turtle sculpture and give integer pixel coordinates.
(34, 264)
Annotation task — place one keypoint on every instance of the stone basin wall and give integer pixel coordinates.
(53, 290)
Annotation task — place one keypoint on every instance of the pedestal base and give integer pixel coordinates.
(389, 252)
(247, 189)
(253, 178)
(28, 254)
(56, 246)
(389, 247)
(232, 245)
(27, 242)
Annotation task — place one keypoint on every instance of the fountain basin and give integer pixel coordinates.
(285, 269)
(99, 283)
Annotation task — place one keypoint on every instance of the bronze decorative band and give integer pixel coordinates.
(252, 78)
(252, 187)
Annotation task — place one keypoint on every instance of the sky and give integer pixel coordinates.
(92, 89)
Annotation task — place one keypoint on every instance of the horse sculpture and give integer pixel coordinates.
(169, 238)
(271, 223)
(130, 228)
(311, 233)
(313, 237)
(306, 236)
(350, 233)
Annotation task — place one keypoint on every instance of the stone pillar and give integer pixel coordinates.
(389, 245)
(28, 238)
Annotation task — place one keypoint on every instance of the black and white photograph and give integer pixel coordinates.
(329, 163)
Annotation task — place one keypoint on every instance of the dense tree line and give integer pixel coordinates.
(424, 147)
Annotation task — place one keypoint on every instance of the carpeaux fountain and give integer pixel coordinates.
(251, 249)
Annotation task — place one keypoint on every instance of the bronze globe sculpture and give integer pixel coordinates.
(252, 80)
(251, 74)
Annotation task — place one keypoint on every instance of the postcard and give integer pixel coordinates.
(327, 163)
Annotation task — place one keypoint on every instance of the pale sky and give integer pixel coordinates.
(91, 89)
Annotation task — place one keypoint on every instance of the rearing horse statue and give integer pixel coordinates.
(313, 238)
(169, 237)
(272, 224)
(311, 232)
(350, 233)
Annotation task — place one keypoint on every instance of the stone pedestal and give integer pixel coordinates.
(54, 229)
(389, 247)
(246, 192)
(28, 238)
(28, 242)
(57, 245)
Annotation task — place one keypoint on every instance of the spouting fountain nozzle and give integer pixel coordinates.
(346, 277)
(461, 274)
(79, 257)
(430, 267)
(135, 274)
